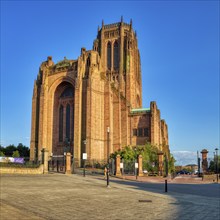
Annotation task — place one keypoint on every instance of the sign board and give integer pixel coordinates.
(12, 160)
(136, 165)
(121, 165)
(84, 156)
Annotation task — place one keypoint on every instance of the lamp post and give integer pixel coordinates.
(135, 163)
(216, 152)
(84, 160)
(214, 166)
(108, 147)
(198, 163)
(108, 154)
(51, 155)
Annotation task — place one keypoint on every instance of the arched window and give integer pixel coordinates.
(116, 55)
(109, 54)
(68, 121)
(61, 124)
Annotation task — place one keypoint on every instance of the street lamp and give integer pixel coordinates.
(108, 150)
(51, 161)
(135, 163)
(84, 142)
(216, 152)
(84, 160)
(108, 154)
(198, 158)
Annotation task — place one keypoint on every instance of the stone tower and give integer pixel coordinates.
(118, 49)
(204, 153)
(93, 104)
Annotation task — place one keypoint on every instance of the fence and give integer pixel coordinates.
(128, 167)
(57, 163)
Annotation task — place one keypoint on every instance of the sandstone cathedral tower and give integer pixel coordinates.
(94, 104)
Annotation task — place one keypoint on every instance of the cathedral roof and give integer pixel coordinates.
(140, 110)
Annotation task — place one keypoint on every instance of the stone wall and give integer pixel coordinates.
(21, 170)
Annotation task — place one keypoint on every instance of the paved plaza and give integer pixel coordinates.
(57, 196)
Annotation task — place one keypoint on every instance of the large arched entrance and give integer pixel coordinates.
(63, 119)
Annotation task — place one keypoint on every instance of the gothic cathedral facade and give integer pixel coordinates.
(93, 104)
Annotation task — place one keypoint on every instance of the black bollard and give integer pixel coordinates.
(107, 176)
(165, 185)
(84, 170)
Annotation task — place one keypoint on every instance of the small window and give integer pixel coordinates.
(134, 132)
(116, 55)
(146, 132)
(109, 55)
(140, 132)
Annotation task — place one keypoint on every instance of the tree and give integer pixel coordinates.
(171, 164)
(212, 165)
(149, 154)
(2, 151)
(23, 150)
(16, 154)
(2, 154)
(9, 150)
(2, 148)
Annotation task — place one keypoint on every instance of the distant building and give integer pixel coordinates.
(94, 104)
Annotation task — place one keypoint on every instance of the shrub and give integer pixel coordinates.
(2, 154)
(16, 154)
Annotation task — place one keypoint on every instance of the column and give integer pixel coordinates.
(204, 153)
(68, 163)
(118, 170)
(140, 162)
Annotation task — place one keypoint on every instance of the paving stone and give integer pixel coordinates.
(75, 197)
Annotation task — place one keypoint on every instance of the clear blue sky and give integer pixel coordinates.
(179, 47)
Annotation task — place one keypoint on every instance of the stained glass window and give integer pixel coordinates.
(146, 132)
(140, 132)
(61, 123)
(68, 121)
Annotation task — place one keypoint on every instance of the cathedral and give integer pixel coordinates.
(93, 104)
